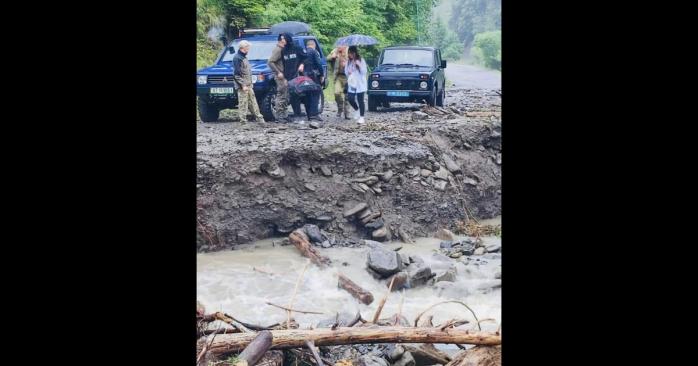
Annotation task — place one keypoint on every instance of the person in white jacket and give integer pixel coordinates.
(357, 82)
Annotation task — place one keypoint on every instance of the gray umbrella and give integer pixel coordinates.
(290, 27)
(356, 40)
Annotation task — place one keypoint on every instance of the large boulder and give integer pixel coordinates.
(383, 261)
(420, 276)
(314, 234)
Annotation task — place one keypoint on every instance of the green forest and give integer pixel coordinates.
(473, 24)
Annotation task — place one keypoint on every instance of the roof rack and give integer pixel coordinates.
(252, 31)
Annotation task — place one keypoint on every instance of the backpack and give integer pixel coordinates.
(302, 84)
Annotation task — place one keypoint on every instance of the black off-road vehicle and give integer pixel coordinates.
(407, 74)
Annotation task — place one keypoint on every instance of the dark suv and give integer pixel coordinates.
(216, 89)
(407, 74)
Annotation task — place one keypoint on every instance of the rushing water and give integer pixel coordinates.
(227, 282)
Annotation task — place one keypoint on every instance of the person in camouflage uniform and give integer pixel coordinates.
(276, 64)
(338, 58)
(243, 78)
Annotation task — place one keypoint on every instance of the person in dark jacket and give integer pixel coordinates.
(293, 57)
(312, 67)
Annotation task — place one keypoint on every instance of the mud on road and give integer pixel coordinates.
(415, 173)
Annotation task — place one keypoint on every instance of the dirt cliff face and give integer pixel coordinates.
(415, 172)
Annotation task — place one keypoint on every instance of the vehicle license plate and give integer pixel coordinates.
(222, 90)
(398, 94)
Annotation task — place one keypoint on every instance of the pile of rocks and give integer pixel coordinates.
(317, 236)
(467, 246)
(372, 221)
(407, 271)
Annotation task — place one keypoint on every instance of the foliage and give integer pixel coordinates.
(470, 17)
(487, 49)
(446, 40)
(218, 18)
(391, 22)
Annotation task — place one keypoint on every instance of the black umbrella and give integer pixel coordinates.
(290, 27)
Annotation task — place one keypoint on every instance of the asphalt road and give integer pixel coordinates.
(472, 77)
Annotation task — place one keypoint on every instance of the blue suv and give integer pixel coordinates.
(216, 89)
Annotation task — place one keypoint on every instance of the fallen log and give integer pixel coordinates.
(255, 350)
(295, 338)
(354, 289)
(300, 240)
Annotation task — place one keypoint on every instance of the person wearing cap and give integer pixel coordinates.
(293, 56)
(312, 67)
(276, 64)
(242, 75)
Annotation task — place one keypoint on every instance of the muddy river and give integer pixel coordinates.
(227, 281)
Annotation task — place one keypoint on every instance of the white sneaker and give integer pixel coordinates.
(357, 114)
(361, 121)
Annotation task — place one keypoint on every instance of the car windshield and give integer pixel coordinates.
(259, 50)
(408, 57)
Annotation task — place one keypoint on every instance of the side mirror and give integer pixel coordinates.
(443, 64)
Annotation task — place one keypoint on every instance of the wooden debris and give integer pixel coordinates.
(294, 310)
(295, 338)
(383, 300)
(355, 290)
(316, 355)
(256, 349)
(300, 240)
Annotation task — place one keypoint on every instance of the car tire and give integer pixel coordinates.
(431, 100)
(268, 104)
(208, 112)
(440, 98)
(372, 104)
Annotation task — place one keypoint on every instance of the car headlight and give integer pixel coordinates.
(374, 84)
(423, 85)
(201, 79)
